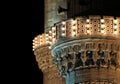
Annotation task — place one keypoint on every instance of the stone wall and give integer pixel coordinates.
(51, 12)
(52, 77)
(45, 63)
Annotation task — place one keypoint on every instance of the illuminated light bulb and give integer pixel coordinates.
(49, 47)
(115, 21)
(102, 25)
(115, 26)
(33, 49)
(58, 58)
(73, 22)
(74, 33)
(35, 38)
(40, 36)
(115, 32)
(50, 37)
(87, 25)
(102, 31)
(53, 28)
(41, 43)
(87, 20)
(33, 43)
(53, 36)
(40, 39)
(36, 41)
(102, 20)
(74, 27)
(46, 35)
(53, 33)
(50, 42)
(33, 46)
(88, 31)
(46, 38)
(63, 34)
(50, 31)
(63, 23)
(63, 28)
(47, 41)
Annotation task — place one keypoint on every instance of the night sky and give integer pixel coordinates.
(37, 28)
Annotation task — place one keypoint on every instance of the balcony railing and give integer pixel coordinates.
(80, 27)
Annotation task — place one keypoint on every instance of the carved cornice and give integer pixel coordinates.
(74, 53)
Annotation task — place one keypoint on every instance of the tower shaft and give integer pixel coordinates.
(51, 13)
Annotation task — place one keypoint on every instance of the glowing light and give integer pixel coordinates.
(115, 21)
(49, 47)
(46, 35)
(53, 28)
(74, 27)
(41, 42)
(87, 20)
(40, 36)
(63, 34)
(73, 22)
(50, 37)
(115, 26)
(102, 25)
(74, 33)
(63, 23)
(102, 31)
(33, 49)
(50, 42)
(36, 45)
(33, 43)
(88, 31)
(58, 58)
(115, 32)
(63, 28)
(36, 41)
(53, 34)
(47, 41)
(35, 38)
(87, 25)
(50, 31)
(102, 20)
(33, 46)
(46, 38)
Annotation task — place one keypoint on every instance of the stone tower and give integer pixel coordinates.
(52, 14)
(81, 43)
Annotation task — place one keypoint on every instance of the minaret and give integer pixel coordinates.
(80, 44)
(52, 15)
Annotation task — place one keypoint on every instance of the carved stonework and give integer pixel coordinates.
(89, 54)
(46, 64)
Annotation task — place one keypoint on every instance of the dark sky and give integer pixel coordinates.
(37, 28)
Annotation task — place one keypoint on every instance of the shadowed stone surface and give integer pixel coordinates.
(94, 75)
